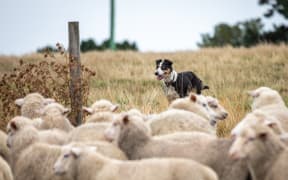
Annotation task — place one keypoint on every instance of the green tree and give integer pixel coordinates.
(245, 33)
(251, 32)
(279, 6)
(279, 34)
(46, 49)
(224, 34)
(88, 45)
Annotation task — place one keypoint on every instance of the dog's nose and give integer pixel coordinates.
(156, 73)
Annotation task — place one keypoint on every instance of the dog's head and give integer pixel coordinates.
(163, 68)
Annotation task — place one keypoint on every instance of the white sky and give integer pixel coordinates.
(155, 25)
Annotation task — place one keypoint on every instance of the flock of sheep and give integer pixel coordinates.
(179, 143)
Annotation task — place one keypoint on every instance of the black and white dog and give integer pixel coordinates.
(183, 82)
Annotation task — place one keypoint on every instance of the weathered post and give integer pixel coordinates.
(75, 74)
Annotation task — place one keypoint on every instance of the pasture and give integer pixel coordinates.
(127, 78)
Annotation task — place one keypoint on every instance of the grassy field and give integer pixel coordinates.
(128, 78)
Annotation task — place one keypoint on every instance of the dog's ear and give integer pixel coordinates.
(168, 62)
(158, 61)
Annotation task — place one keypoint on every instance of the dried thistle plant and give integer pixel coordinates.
(49, 78)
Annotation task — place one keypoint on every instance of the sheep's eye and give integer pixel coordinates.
(214, 106)
(66, 155)
(249, 140)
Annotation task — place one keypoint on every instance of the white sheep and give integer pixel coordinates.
(4, 150)
(187, 137)
(264, 97)
(206, 106)
(271, 103)
(100, 117)
(5, 170)
(32, 104)
(20, 137)
(101, 105)
(106, 148)
(174, 120)
(213, 103)
(88, 132)
(53, 115)
(264, 151)
(36, 161)
(101, 111)
(187, 114)
(194, 103)
(85, 163)
(259, 117)
(131, 136)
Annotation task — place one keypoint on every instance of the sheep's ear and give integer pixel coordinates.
(87, 109)
(271, 122)
(193, 97)
(76, 152)
(19, 102)
(48, 101)
(272, 125)
(114, 108)
(125, 119)
(13, 125)
(253, 94)
(66, 111)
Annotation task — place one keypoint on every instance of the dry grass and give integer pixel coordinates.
(127, 77)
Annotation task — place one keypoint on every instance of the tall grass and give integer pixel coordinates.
(128, 78)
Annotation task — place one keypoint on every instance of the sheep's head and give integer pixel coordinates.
(259, 117)
(264, 96)
(220, 111)
(101, 106)
(17, 123)
(23, 125)
(252, 132)
(54, 109)
(197, 104)
(125, 123)
(34, 97)
(66, 161)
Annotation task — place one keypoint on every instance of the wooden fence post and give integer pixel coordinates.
(75, 74)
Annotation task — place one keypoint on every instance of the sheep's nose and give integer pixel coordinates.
(225, 115)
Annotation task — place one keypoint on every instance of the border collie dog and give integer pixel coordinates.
(182, 82)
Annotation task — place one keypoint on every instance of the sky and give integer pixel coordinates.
(155, 25)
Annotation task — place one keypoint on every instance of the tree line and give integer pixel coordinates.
(250, 32)
(91, 45)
